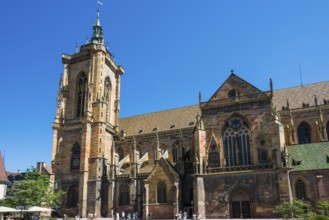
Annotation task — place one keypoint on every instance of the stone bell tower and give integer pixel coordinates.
(85, 128)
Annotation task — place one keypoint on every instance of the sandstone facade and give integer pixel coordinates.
(234, 156)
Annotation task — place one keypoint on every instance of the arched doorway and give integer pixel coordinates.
(240, 204)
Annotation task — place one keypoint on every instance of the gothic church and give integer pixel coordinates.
(234, 156)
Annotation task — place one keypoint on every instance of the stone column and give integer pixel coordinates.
(83, 184)
(199, 197)
(176, 202)
(146, 209)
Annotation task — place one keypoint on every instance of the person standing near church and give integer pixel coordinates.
(185, 215)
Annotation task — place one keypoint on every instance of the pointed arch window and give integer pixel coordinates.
(300, 189)
(191, 193)
(124, 194)
(237, 142)
(81, 94)
(72, 196)
(263, 158)
(304, 133)
(213, 157)
(262, 153)
(120, 153)
(161, 193)
(75, 157)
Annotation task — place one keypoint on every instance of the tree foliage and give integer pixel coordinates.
(323, 206)
(297, 209)
(33, 190)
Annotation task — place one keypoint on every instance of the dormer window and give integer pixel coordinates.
(232, 93)
(140, 131)
(172, 126)
(296, 162)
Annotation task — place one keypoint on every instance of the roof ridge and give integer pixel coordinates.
(310, 84)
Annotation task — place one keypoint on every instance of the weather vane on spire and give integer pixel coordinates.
(97, 37)
(99, 3)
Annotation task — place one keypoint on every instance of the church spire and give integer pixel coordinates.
(97, 37)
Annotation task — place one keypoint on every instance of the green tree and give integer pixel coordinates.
(323, 206)
(33, 190)
(297, 209)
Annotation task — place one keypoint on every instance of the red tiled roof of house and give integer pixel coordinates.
(3, 175)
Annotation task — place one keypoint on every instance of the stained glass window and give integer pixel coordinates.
(300, 190)
(304, 133)
(237, 142)
(213, 157)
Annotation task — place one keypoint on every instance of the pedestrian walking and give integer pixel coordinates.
(185, 215)
(123, 215)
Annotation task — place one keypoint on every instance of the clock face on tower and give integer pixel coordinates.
(76, 163)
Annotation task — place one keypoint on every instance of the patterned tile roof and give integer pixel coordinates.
(310, 156)
(182, 117)
(301, 94)
(172, 119)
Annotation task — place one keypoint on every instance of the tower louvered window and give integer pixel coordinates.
(237, 142)
(304, 133)
(81, 94)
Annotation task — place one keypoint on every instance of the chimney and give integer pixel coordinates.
(40, 166)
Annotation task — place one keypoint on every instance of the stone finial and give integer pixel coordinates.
(199, 123)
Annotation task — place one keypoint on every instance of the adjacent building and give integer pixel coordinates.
(3, 179)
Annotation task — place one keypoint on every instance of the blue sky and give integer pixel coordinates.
(169, 49)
